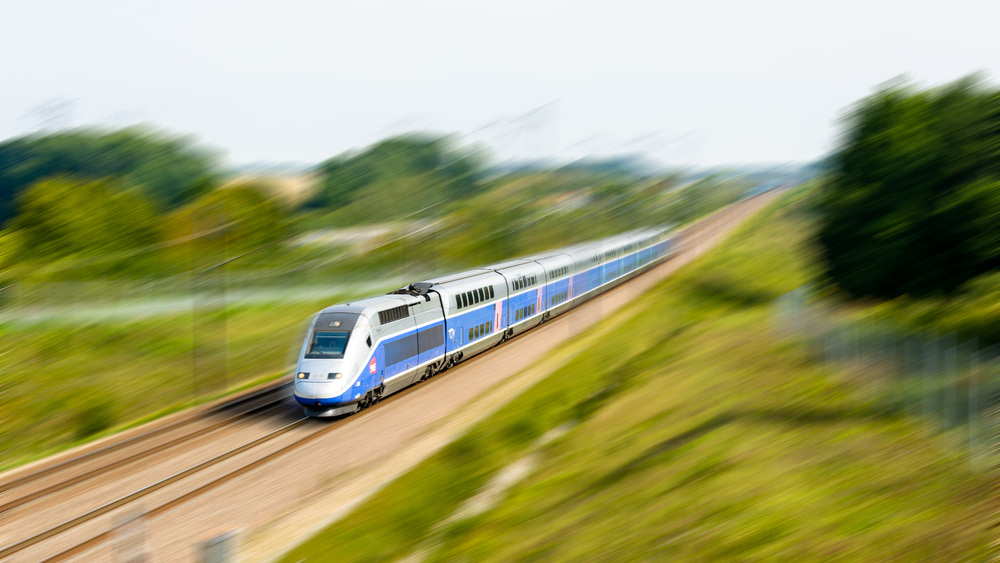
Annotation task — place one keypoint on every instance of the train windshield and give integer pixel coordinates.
(327, 344)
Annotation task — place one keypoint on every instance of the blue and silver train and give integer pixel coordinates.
(356, 353)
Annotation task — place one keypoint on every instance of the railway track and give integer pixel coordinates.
(72, 509)
(67, 471)
(319, 428)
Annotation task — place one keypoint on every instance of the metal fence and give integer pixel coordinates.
(952, 386)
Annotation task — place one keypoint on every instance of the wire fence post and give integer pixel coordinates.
(930, 391)
(973, 418)
(949, 378)
(908, 370)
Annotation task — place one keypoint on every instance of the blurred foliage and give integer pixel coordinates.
(704, 196)
(914, 205)
(972, 313)
(394, 177)
(519, 214)
(96, 204)
(224, 223)
(168, 169)
(63, 216)
(699, 437)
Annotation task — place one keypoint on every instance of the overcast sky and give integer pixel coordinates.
(691, 82)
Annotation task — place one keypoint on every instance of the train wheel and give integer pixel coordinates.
(365, 401)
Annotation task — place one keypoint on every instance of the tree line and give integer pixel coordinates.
(146, 202)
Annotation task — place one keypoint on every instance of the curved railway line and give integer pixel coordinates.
(232, 464)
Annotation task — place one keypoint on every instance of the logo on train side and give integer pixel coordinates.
(372, 366)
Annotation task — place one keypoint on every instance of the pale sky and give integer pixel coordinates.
(299, 81)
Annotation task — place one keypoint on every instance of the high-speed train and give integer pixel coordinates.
(356, 353)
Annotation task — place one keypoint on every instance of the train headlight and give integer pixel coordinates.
(334, 375)
(302, 375)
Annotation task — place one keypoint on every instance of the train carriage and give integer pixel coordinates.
(475, 304)
(525, 282)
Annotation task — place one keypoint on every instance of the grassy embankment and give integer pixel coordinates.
(698, 435)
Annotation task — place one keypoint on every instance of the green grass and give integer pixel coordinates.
(699, 436)
(974, 312)
(65, 384)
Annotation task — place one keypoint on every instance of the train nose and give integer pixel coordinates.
(319, 370)
(318, 389)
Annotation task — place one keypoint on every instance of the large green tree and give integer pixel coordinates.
(170, 169)
(913, 206)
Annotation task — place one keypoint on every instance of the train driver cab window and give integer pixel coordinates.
(327, 344)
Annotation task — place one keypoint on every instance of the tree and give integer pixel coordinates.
(225, 223)
(169, 169)
(63, 216)
(913, 203)
(376, 172)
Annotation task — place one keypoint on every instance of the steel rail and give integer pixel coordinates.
(44, 471)
(65, 484)
(135, 495)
